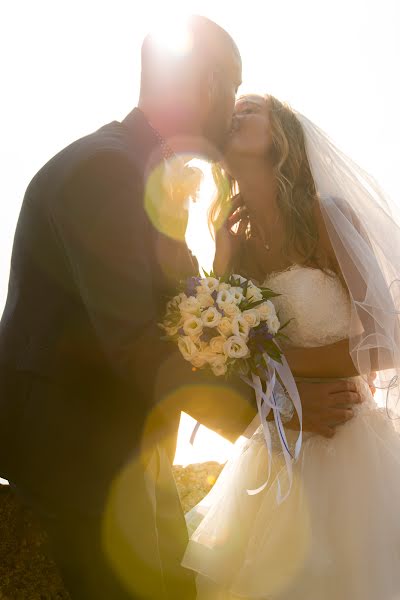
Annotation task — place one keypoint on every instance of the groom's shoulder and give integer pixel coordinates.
(108, 140)
(106, 146)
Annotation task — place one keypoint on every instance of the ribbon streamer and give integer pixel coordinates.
(265, 403)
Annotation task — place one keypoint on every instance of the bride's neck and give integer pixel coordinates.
(258, 189)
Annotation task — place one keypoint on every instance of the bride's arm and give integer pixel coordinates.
(332, 361)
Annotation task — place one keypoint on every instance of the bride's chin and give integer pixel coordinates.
(231, 162)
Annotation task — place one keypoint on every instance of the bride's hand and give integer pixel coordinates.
(227, 242)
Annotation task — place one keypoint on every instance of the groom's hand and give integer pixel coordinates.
(326, 406)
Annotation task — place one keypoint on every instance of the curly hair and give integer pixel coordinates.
(296, 192)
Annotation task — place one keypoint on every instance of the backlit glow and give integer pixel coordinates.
(79, 64)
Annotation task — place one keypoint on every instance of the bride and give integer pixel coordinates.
(297, 215)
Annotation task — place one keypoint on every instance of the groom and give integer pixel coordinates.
(90, 398)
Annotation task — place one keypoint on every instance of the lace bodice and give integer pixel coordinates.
(316, 302)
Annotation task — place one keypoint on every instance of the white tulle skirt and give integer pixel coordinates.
(336, 537)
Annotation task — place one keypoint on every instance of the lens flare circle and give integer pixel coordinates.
(172, 36)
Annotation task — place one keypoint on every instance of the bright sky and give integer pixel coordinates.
(68, 67)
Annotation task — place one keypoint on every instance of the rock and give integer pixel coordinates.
(27, 572)
(195, 481)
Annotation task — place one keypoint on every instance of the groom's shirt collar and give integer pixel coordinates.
(148, 145)
(166, 150)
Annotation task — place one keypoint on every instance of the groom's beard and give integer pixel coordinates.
(218, 126)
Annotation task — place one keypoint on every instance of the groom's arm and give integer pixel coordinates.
(104, 232)
(226, 407)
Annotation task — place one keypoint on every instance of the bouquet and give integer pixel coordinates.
(224, 324)
(229, 325)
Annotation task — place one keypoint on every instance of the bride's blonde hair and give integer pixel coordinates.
(296, 192)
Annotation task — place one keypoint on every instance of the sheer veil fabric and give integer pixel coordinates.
(341, 515)
(366, 240)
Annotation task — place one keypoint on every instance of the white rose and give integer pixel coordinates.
(224, 297)
(236, 347)
(223, 286)
(266, 310)
(252, 317)
(209, 284)
(171, 329)
(217, 344)
(193, 326)
(273, 324)
(176, 300)
(217, 359)
(187, 348)
(173, 304)
(237, 294)
(211, 317)
(230, 309)
(205, 300)
(219, 370)
(253, 293)
(199, 360)
(227, 302)
(190, 306)
(240, 327)
(225, 327)
(218, 365)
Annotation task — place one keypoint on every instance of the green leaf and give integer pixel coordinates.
(245, 285)
(268, 294)
(282, 336)
(249, 305)
(285, 325)
(273, 351)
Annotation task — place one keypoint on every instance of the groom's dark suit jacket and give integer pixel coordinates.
(86, 383)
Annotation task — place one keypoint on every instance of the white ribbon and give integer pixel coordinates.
(265, 403)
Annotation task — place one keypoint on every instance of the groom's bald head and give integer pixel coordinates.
(208, 46)
(193, 73)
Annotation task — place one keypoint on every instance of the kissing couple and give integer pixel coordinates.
(90, 396)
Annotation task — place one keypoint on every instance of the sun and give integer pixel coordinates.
(172, 35)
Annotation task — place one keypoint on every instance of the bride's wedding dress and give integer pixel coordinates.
(337, 536)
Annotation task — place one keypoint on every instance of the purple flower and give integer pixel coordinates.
(258, 336)
(191, 285)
